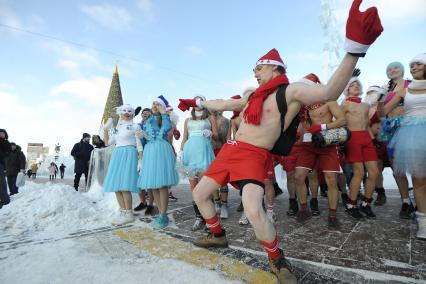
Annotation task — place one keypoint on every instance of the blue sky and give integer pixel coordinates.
(51, 91)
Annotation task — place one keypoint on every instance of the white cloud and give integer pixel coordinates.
(47, 122)
(194, 50)
(147, 9)
(69, 64)
(93, 91)
(109, 16)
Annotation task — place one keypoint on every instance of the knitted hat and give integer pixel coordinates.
(394, 64)
(420, 58)
(271, 58)
(85, 135)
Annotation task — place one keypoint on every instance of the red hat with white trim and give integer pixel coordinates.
(271, 58)
(310, 79)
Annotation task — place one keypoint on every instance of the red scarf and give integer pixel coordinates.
(356, 100)
(253, 112)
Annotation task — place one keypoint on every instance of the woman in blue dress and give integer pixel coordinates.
(158, 161)
(197, 151)
(122, 173)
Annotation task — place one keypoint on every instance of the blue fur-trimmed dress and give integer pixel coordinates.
(122, 174)
(198, 151)
(158, 159)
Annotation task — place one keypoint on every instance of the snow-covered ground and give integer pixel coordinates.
(40, 221)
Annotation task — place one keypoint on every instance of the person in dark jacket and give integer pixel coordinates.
(15, 163)
(81, 153)
(4, 152)
(62, 170)
(98, 142)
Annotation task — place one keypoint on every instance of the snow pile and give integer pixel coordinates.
(53, 208)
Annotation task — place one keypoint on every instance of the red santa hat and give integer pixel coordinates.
(310, 79)
(351, 80)
(271, 58)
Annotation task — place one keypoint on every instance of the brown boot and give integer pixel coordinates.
(280, 268)
(212, 240)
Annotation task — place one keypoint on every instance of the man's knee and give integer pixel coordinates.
(330, 178)
(253, 213)
(300, 176)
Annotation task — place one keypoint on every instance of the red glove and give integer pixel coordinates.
(317, 128)
(185, 104)
(362, 29)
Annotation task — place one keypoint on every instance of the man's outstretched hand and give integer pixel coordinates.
(186, 104)
(362, 29)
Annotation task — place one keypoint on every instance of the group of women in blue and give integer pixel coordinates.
(134, 167)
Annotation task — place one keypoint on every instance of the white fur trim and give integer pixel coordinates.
(270, 62)
(306, 81)
(161, 102)
(421, 58)
(376, 89)
(355, 47)
(351, 80)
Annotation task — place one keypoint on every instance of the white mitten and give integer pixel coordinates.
(140, 166)
(139, 133)
(207, 133)
(108, 124)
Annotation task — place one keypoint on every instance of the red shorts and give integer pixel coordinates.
(289, 162)
(360, 148)
(239, 161)
(311, 157)
(269, 167)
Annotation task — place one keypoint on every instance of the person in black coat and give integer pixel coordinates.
(4, 152)
(15, 163)
(62, 170)
(81, 153)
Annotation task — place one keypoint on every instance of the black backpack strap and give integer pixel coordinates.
(282, 103)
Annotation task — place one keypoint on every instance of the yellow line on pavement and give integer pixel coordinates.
(164, 246)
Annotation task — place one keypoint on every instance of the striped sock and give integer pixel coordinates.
(272, 248)
(214, 225)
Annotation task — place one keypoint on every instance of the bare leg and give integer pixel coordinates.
(120, 199)
(333, 192)
(142, 196)
(373, 172)
(342, 182)
(156, 194)
(269, 192)
(300, 176)
(202, 196)
(313, 183)
(151, 198)
(419, 185)
(402, 183)
(291, 184)
(358, 174)
(127, 197)
(379, 182)
(164, 197)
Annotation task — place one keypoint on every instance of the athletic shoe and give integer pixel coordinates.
(140, 207)
(332, 222)
(162, 222)
(217, 206)
(294, 207)
(212, 240)
(421, 223)
(354, 213)
(224, 214)
(150, 210)
(281, 270)
(198, 224)
(171, 197)
(367, 211)
(243, 220)
(407, 211)
(313, 204)
(125, 217)
(381, 197)
(303, 216)
(271, 216)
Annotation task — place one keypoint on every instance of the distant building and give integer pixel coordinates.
(36, 153)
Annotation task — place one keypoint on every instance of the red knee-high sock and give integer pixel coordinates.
(272, 248)
(214, 224)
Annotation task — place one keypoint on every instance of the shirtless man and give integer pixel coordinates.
(318, 117)
(360, 150)
(242, 162)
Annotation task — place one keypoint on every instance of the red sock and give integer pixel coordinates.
(272, 248)
(332, 213)
(214, 225)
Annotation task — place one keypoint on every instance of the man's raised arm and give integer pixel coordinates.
(362, 29)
